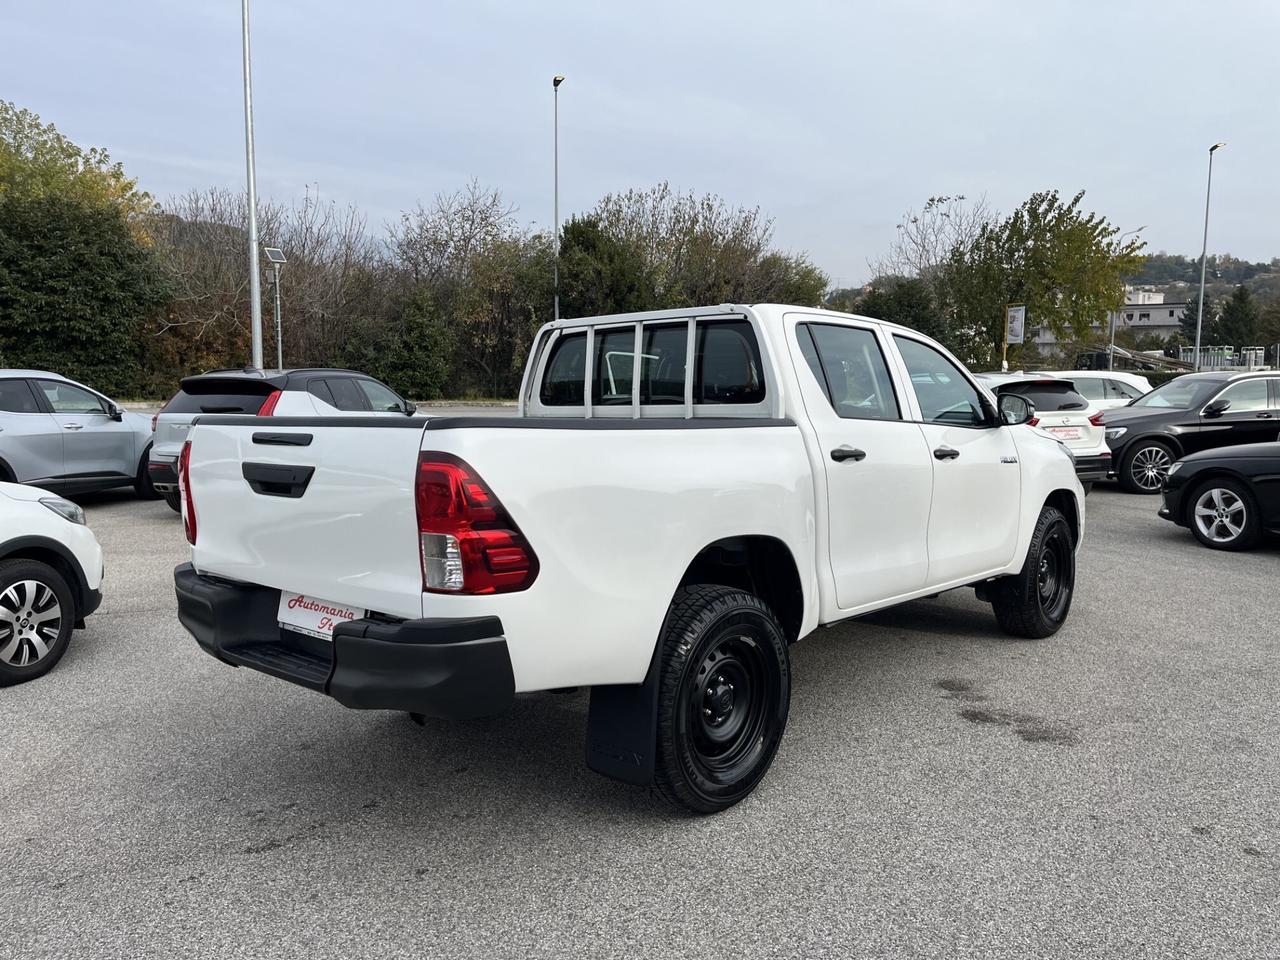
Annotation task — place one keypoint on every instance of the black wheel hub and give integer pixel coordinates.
(727, 707)
(1054, 575)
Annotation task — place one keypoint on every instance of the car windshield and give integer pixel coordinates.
(1181, 394)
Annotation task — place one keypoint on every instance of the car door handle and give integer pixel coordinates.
(277, 479)
(945, 453)
(73, 426)
(841, 454)
(1265, 416)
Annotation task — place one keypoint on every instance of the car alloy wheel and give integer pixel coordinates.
(30, 622)
(1149, 468)
(1220, 515)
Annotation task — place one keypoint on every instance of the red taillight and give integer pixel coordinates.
(155, 417)
(269, 405)
(469, 543)
(1034, 421)
(184, 490)
(1097, 419)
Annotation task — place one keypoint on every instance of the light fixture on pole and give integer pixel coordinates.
(555, 95)
(255, 289)
(1111, 354)
(277, 258)
(1204, 254)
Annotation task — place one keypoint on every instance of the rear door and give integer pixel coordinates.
(93, 444)
(973, 520)
(30, 438)
(317, 506)
(878, 469)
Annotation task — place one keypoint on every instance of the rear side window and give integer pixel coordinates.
(612, 368)
(1049, 397)
(320, 390)
(728, 363)
(1091, 388)
(851, 369)
(16, 397)
(662, 363)
(346, 395)
(566, 369)
(197, 403)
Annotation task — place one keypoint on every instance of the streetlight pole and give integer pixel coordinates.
(1204, 254)
(555, 94)
(255, 291)
(1111, 354)
(277, 259)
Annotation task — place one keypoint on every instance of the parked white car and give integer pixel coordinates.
(682, 496)
(308, 392)
(50, 579)
(1062, 413)
(1105, 389)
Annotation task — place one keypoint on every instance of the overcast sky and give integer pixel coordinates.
(832, 117)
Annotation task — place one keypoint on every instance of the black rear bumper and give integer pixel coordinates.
(456, 668)
(1089, 469)
(163, 474)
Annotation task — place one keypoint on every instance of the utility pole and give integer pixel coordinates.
(255, 290)
(555, 93)
(1204, 254)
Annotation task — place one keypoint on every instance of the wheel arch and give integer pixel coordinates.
(54, 554)
(1168, 439)
(760, 565)
(1065, 503)
(6, 472)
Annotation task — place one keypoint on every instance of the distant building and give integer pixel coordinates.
(1145, 312)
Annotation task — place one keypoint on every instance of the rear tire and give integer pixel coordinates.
(1223, 516)
(1034, 602)
(1145, 465)
(142, 485)
(174, 499)
(723, 697)
(37, 614)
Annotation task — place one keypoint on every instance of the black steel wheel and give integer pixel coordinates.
(724, 696)
(1034, 602)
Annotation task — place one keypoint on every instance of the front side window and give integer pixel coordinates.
(68, 398)
(566, 368)
(847, 362)
(16, 397)
(727, 363)
(1091, 388)
(381, 399)
(943, 392)
(612, 369)
(1181, 394)
(1246, 396)
(1119, 390)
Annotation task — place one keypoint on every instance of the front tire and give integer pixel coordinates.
(37, 613)
(1145, 465)
(723, 697)
(1034, 602)
(1223, 516)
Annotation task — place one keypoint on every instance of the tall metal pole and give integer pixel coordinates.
(1111, 354)
(275, 283)
(255, 291)
(555, 91)
(1204, 254)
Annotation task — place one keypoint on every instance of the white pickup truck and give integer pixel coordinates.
(683, 495)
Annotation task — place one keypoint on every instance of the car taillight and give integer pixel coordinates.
(469, 543)
(155, 417)
(1098, 419)
(269, 405)
(1034, 421)
(184, 490)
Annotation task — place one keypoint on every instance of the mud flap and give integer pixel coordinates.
(622, 729)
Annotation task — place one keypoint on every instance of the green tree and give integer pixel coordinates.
(600, 273)
(905, 300)
(1064, 264)
(76, 290)
(1187, 320)
(1237, 325)
(414, 354)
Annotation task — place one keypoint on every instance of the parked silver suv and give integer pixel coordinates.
(61, 435)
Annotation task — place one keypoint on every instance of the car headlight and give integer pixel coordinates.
(64, 508)
(1115, 433)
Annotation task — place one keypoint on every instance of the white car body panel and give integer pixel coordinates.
(22, 515)
(615, 514)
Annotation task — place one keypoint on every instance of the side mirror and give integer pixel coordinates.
(1217, 408)
(1015, 409)
(409, 408)
(115, 413)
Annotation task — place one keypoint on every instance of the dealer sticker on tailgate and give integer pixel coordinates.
(312, 616)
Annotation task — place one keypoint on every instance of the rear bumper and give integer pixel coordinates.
(1089, 469)
(163, 473)
(455, 668)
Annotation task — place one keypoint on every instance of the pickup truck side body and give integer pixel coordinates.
(839, 477)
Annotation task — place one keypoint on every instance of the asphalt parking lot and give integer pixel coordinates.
(942, 791)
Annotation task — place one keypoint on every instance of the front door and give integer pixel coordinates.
(877, 467)
(977, 485)
(1252, 416)
(93, 444)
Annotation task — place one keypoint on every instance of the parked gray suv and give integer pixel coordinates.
(61, 435)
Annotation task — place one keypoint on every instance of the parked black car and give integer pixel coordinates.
(1228, 497)
(1199, 411)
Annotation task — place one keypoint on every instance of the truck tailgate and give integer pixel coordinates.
(322, 507)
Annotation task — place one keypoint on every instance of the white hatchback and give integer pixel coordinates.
(50, 579)
(1106, 389)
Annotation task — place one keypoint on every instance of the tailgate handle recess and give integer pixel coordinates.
(283, 439)
(277, 479)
